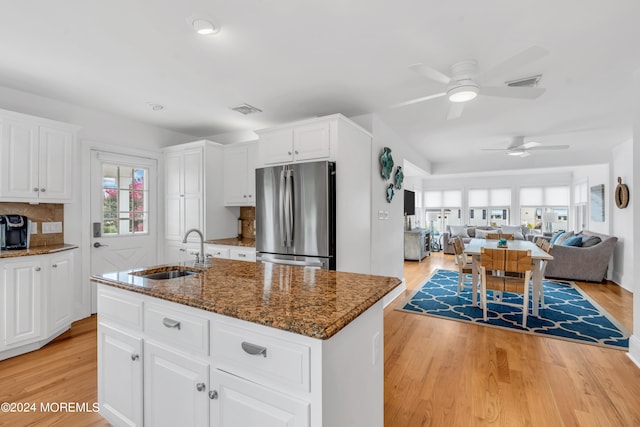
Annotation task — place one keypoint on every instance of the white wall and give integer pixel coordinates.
(596, 175)
(634, 190)
(387, 236)
(622, 219)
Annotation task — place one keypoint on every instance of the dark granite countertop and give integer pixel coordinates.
(36, 250)
(311, 302)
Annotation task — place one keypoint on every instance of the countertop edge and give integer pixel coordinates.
(37, 250)
(310, 330)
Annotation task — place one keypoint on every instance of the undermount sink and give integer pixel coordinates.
(171, 274)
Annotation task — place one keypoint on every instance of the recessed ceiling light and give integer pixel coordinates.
(155, 107)
(204, 27)
(246, 109)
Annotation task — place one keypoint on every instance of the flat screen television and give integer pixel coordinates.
(409, 202)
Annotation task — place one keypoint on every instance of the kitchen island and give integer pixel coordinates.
(242, 344)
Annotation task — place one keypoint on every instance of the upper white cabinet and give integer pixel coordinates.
(36, 159)
(194, 195)
(297, 143)
(240, 174)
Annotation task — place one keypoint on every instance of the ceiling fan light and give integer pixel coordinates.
(515, 153)
(462, 93)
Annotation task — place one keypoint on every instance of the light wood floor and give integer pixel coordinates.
(437, 372)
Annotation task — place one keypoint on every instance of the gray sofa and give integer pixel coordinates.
(447, 247)
(585, 264)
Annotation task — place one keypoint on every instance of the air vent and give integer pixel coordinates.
(246, 109)
(526, 82)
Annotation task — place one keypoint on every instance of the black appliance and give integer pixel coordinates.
(409, 202)
(14, 232)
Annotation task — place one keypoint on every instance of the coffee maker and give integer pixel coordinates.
(14, 232)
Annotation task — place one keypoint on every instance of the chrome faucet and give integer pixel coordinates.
(201, 259)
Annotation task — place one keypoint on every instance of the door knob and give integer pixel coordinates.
(98, 244)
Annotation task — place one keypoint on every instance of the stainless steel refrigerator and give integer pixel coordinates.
(296, 214)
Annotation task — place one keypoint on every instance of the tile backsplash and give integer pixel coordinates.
(43, 212)
(248, 218)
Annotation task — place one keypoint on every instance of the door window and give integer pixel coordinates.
(125, 200)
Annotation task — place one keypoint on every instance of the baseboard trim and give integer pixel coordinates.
(395, 293)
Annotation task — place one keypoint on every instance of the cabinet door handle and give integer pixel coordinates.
(42, 190)
(54, 265)
(289, 152)
(201, 386)
(35, 189)
(170, 323)
(135, 357)
(254, 350)
(37, 269)
(213, 395)
(296, 152)
(183, 250)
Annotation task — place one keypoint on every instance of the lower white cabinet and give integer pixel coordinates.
(23, 300)
(120, 373)
(244, 403)
(36, 296)
(175, 388)
(239, 253)
(165, 364)
(243, 254)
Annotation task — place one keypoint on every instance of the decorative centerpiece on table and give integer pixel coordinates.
(502, 243)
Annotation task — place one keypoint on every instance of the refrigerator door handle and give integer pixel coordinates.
(289, 208)
(281, 202)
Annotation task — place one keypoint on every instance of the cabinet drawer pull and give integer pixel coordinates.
(254, 350)
(201, 386)
(135, 357)
(242, 255)
(170, 323)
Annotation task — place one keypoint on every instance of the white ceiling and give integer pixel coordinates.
(296, 59)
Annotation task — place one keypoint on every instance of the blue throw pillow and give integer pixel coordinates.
(555, 236)
(573, 241)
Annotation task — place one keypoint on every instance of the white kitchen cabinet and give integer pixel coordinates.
(184, 192)
(242, 254)
(120, 369)
(298, 143)
(216, 251)
(244, 403)
(240, 174)
(175, 388)
(36, 296)
(37, 159)
(23, 300)
(60, 288)
(194, 195)
(244, 375)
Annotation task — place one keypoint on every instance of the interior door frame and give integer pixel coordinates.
(85, 199)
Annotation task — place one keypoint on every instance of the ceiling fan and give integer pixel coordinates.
(464, 83)
(519, 148)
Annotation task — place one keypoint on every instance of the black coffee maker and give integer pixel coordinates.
(14, 232)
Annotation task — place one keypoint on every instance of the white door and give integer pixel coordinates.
(123, 213)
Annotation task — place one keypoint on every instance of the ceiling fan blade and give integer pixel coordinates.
(430, 73)
(518, 60)
(417, 100)
(524, 154)
(531, 144)
(549, 147)
(494, 149)
(455, 110)
(512, 92)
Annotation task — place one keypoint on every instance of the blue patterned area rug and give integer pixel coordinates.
(569, 313)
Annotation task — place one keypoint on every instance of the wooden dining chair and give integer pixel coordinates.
(493, 236)
(465, 265)
(507, 236)
(547, 247)
(500, 271)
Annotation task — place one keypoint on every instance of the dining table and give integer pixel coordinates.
(538, 256)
